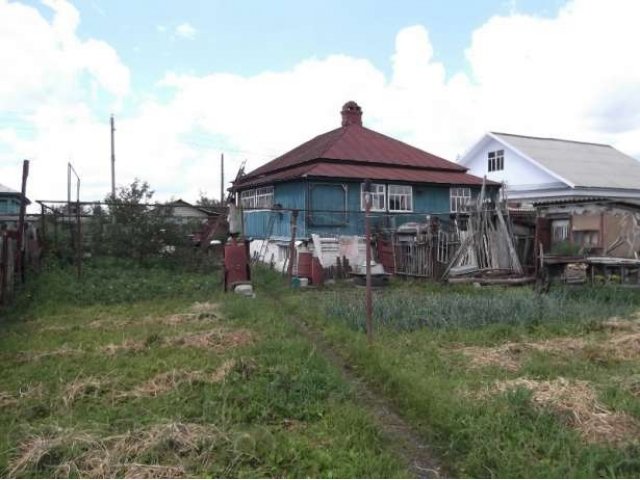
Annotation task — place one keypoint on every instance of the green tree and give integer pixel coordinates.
(139, 229)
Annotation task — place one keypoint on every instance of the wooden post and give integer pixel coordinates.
(4, 267)
(23, 209)
(292, 244)
(367, 235)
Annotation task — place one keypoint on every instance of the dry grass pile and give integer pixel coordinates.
(577, 402)
(168, 381)
(58, 352)
(66, 453)
(510, 356)
(29, 391)
(108, 323)
(623, 346)
(219, 340)
(82, 388)
(126, 346)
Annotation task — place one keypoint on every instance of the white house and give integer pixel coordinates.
(546, 169)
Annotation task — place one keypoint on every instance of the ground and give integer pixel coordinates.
(170, 377)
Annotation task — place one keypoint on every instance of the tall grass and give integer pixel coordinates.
(407, 310)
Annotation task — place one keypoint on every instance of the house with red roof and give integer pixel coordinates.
(324, 179)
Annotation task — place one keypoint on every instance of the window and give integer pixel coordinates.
(586, 238)
(460, 197)
(400, 198)
(248, 199)
(559, 231)
(496, 160)
(258, 198)
(378, 197)
(264, 197)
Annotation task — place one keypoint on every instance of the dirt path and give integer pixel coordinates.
(402, 438)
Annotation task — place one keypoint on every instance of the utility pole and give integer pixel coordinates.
(113, 159)
(222, 179)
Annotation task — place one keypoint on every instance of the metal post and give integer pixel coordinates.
(221, 180)
(292, 244)
(113, 159)
(367, 234)
(4, 267)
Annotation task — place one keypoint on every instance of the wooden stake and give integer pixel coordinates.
(292, 244)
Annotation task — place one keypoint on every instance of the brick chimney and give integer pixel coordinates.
(351, 114)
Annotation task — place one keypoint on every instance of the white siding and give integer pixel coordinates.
(519, 173)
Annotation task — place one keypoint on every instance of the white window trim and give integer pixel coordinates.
(383, 193)
(460, 194)
(261, 195)
(497, 161)
(253, 198)
(410, 197)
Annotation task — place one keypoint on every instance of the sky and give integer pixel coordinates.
(188, 81)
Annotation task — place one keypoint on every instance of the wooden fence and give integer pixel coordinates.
(8, 244)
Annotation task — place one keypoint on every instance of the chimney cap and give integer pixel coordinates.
(351, 114)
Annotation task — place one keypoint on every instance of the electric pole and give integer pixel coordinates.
(113, 159)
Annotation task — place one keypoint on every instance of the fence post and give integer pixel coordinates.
(23, 209)
(4, 251)
(292, 244)
(367, 234)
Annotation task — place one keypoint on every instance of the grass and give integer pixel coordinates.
(217, 389)
(421, 361)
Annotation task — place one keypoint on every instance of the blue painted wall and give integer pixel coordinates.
(321, 207)
(9, 205)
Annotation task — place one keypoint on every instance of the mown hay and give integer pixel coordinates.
(7, 400)
(625, 346)
(126, 346)
(81, 388)
(510, 356)
(219, 340)
(58, 352)
(577, 402)
(68, 453)
(168, 381)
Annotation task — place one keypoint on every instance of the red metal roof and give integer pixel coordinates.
(353, 151)
(351, 170)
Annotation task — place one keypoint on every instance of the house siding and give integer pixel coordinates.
(322, 209)
(519, 174)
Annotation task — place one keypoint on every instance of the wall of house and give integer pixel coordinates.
(334, 209)
(518, 174)
(9, 205)
(268, 223)
(618, 229)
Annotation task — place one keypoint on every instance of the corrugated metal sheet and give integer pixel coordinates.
(360, 144)
(361, 171)
(583, 164)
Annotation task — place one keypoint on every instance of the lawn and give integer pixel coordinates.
(151, 373)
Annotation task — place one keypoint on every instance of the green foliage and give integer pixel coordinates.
(565, 247)
(451, 307)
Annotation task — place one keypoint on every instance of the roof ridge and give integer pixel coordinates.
(552, 138)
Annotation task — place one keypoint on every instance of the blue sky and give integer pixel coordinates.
(190, 80)
(249, 37)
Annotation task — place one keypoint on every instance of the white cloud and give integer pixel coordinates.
(573, 75)
(186, 30)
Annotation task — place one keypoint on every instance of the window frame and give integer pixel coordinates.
(495, 160)
(457, 197)
(262, 193)
(376, 195)
(250, 197)
(407, 195)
